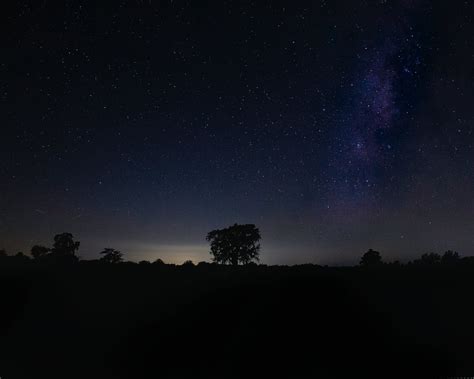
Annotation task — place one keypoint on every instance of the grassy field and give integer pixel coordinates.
(90, 320)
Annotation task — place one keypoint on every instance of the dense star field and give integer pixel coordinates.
(334, 126)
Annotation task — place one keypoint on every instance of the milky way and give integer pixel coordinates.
(373, 106)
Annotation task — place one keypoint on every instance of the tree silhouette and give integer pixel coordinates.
(39, 252)
(111, 256)
(64, 248)
(3, 253)
(430, 258)
(159, 262)
(371, 258)
(237, 244)
(450, 257)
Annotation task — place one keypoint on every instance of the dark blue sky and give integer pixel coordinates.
(334, 126)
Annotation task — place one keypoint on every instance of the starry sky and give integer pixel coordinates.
(334, 126)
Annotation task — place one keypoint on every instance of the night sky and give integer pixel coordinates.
(334, 126)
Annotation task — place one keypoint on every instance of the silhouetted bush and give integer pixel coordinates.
(158, 262)
(39, 252)
(371, 258)
(450, 257)
(111, 256)
(430, 258)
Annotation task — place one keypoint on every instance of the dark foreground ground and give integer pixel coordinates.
(142, 321)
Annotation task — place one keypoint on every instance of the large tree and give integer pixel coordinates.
(64, 247)
(237, 244)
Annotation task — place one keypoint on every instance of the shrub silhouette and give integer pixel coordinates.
(39, 252)
(450, 257)
(237, 244)
(371, 258)
(430, 258)
(111, 256)
(158, 262)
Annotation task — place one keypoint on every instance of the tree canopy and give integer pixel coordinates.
(236, 244)
(64, 245)
(64, 248)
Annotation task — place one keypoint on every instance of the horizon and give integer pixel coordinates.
(178, 254)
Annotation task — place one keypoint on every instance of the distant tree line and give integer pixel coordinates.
(234, 245)
(374, 258)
